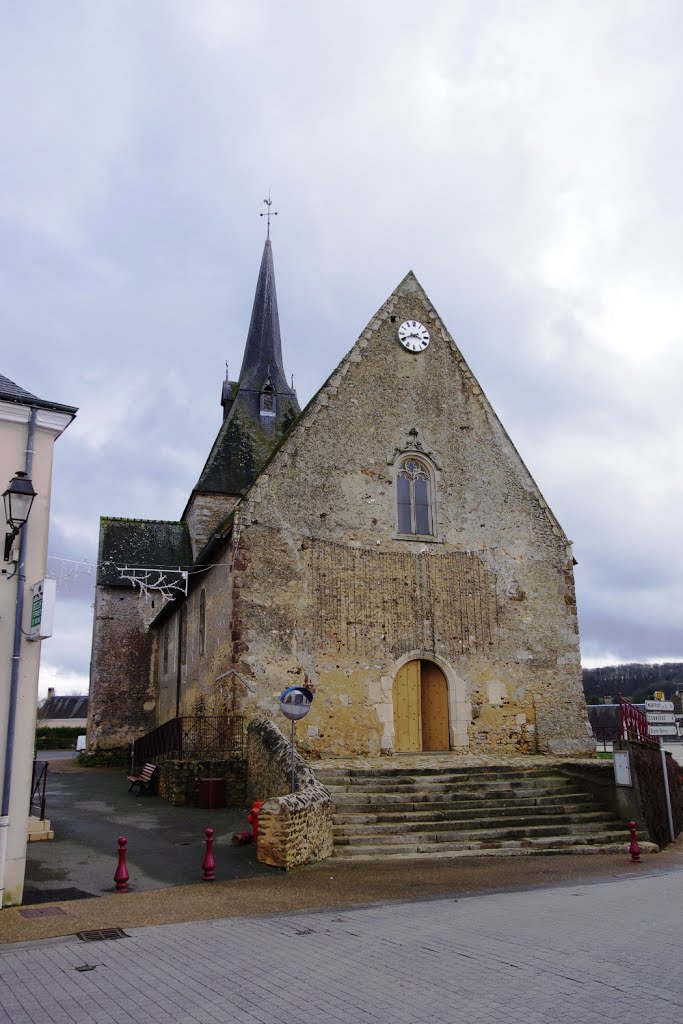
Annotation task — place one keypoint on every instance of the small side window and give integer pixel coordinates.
(183, 635)
(165, 648)
(202, 621)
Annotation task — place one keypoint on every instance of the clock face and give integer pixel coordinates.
(413, 335)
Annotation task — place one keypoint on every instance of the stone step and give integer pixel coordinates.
(352, 829)
(451, 769)
(522, 832)
(580, 804)
(502, 845)
(468, 785)
(352, 853)
(348, 803)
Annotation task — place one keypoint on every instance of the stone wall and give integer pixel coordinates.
(648, 780)
(203, 515)
(296, 828)
(179, 780)
(122, 703)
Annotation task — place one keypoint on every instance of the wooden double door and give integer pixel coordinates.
(420, 708)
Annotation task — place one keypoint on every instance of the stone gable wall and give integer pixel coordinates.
(324, 590)
(204, 514)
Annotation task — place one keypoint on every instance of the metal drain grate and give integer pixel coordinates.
(97, 934)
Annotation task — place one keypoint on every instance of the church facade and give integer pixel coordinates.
(386, 546)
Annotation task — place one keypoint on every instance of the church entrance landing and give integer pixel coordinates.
(420, 708)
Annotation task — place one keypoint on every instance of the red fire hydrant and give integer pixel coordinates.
(252, 818)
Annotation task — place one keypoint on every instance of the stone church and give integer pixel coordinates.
(387, 547)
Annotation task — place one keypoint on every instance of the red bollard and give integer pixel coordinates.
(634, 849)
(121, 875)
(209, 862)
(252, 818)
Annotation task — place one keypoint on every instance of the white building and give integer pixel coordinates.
(29, 427)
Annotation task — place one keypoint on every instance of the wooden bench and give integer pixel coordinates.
(144, 780)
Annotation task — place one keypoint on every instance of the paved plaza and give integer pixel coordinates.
(585, 954)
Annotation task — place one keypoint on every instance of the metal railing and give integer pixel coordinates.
(193, 738)
(38, 781)
(633, 722)
(605, 734)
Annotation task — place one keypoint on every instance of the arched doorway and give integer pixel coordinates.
(420, 708)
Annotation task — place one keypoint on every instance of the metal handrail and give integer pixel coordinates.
(193, 737)
(633, 722)
(38, 782)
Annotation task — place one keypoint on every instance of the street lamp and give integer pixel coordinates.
(18, 499)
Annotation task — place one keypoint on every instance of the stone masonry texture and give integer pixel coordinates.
(312, 583)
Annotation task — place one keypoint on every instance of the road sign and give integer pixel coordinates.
(659, 694)
(659, 705)
(662, 730)
(661, 718)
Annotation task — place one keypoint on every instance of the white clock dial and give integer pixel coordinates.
(413, 335)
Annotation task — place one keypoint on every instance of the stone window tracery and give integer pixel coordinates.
(414, 494)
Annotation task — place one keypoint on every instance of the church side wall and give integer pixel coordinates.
(207, 680)
(122, 702)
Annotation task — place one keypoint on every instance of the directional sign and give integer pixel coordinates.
(662, 730)
(659, 705)
(661, 717)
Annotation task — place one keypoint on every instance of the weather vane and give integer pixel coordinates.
(269, 213)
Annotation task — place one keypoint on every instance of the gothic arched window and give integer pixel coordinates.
(414, 498)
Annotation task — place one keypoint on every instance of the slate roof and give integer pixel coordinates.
(11, 392)
(140, 543)
(64, 707)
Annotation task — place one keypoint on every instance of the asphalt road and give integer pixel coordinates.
(89, 808)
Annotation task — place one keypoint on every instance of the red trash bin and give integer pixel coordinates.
(211, 793)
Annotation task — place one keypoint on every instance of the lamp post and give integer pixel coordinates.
(18, 499)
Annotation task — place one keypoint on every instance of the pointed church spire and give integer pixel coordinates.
(263, 350)
(259, 407)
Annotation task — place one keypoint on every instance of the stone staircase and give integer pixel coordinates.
(452, 811)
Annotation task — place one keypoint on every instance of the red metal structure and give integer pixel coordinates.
(632, 722)
(634, 849)
(121, 875)
(209, 862)
(252, 818)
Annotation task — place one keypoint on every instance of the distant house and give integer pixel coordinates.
(55, 712)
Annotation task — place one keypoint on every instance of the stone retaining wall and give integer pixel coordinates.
(294, 828)
(179, 780)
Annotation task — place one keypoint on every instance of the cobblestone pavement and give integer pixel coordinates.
(585, 954)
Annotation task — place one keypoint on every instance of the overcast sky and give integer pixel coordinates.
(524, 159)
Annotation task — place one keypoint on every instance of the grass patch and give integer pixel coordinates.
(118, 758)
